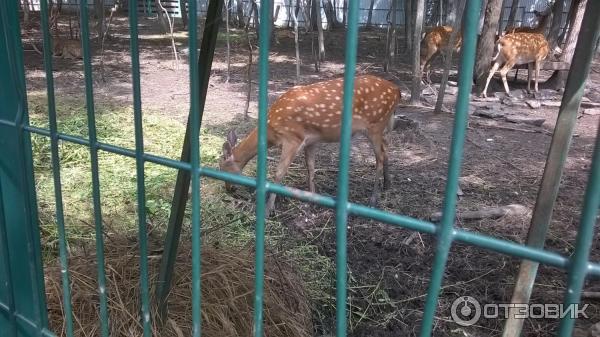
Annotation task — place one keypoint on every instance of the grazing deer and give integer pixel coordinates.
(436, 41)
(63, 48)
(519, 48)
(67, 49)
(305, 116)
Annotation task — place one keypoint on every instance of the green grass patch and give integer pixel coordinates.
(226, 221)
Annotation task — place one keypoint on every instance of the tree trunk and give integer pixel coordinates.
(240, 13)
(370, 14)
(487, 42)
(559, 77)
(344, 10)
(481, 20)
(226, 4)
(514, 7)
(295, 20)
(316, 14)
(390, 45)
(99, 13)
(26, 12)
(275, 12)
(501, 19)
(441, 9)
(162, 21)
(456, 12)
(408, 25)
(184, 13)
(330, 14)
(415, 96)
(557, 15)
(254, 9)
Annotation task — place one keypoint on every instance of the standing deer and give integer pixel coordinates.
(305, 116)
(540, 28)
(519, 48)
(436, 41)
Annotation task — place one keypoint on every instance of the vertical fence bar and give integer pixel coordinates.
(7, 273)
(579, 261)
(182, 184)
(578, 266)
(445, 229)
(195, 162)
(341, 203)
(139, 164)
(89, 100)
(557, 155)
(261, 163)
(16, 174)
(60, 219)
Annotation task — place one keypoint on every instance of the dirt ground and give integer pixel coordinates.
(503, 164)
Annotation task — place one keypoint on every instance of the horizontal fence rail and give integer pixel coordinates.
(577, 267)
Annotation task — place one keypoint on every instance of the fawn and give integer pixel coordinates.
(307, 115)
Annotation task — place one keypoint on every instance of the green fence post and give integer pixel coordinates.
(139, 163)
(28, 310)
(341, 202)
(8, 325)
(182, 184)
(264, 37)
(91, 115)
(557, 155)
(194, 119)
(60, 219)
(445, 230)
(578, 267)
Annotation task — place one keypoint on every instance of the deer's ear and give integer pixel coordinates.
(231, 138)
(227, 152)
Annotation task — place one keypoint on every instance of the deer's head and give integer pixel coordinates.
(227, 162)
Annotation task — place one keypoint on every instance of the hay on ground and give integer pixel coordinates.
(227, 295)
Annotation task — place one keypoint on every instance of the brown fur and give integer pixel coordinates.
(434, 42)
(305, 116)
(519, 48)
(68, 49)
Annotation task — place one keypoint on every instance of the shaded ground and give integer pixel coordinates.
(388, 273)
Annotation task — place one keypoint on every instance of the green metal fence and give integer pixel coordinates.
(22, 296)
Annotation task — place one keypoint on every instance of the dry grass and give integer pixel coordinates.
(227, 294)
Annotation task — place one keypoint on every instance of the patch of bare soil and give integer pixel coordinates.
(389, 268)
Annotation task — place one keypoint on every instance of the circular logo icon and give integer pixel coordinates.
(465, 311)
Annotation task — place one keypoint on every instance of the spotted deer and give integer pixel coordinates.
(519, 48)
(307, 115)
(436, 41)
(64, 48)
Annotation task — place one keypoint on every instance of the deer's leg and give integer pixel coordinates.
(386, 171)
(529, 71)
(378, 147)
(505, 69)
(309, 157)
(487, 82)
(537, 74)
(288, 152)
